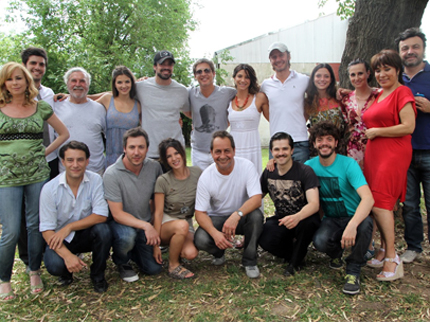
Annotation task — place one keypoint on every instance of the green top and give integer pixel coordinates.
(22, 154)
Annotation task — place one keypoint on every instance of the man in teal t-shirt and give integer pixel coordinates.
(346, 201)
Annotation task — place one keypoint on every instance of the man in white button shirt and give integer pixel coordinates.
(73, 214)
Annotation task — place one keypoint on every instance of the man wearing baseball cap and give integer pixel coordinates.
(286, 92)
(162, 99)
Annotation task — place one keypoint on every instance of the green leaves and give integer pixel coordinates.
(99, 35)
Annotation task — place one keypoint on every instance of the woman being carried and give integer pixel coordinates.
(175, 197)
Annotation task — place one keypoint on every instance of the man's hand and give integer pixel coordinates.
(290, 221)
(348, 237)
(270, 165)
(221, 241)
(152, 237)
(157, 255)
(57, 239)
(74, 264)
(423, 104)
(60, 97)
(229, 227)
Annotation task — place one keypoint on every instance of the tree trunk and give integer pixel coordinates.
(374, 26)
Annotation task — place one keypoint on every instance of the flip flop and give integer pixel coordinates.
(181, 273)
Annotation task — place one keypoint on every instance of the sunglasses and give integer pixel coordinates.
(206, 71)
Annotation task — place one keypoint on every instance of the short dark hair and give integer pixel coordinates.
(358, 61)
(254, 87)
(203, 61)
(409, 33)
(323, 128)
(222, 135)
(171, 143)
(388, 57)
(34, 51)
(281, 136)
(74, 145)
(134, 133)
(122, 70)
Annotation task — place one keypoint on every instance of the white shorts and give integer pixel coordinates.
(201, 159)
(167, 218)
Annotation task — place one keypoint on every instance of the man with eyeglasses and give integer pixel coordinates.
(208, 110)
(162, 99)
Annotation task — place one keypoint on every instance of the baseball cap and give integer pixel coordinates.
(161, 56)
(279, 46)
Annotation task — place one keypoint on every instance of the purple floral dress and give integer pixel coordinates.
(353, 116)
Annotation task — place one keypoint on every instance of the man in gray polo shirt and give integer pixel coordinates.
(129, 186)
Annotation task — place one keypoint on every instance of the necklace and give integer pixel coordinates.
(240, 108)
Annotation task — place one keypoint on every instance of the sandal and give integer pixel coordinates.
(181, 273)
(7, 296)
(36, 289)
(376, 263)
(391, 276)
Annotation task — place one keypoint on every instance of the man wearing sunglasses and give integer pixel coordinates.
(208, 110)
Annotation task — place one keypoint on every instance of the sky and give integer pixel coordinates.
(223, 23)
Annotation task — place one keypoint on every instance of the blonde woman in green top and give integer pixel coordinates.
(23, 169)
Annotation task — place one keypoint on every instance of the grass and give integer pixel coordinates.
(226, 294)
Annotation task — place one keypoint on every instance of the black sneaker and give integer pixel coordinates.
(336, 263)
(127, 273)
(352, 285)
(289, 271)
(65, 280)
(101, 286)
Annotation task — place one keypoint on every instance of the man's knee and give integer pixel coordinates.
(202, 239)
(102, 232)
(53, 262)
(320, 240)
(123, 236)
(365, 229)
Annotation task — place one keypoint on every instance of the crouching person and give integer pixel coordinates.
(346, 200)
(73, 213)
(129, 186)
(227, 203)
(293, 187)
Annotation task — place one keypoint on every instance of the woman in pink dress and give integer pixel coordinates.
(390, 122)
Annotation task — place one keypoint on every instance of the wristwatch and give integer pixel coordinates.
(240, 213)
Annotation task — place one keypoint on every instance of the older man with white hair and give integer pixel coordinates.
(84, 118)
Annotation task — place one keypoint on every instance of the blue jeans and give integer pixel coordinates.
(96, 239)
(418, 172)
(251, 226)
(301, 152)
(130, 243)
(10, 217)
(328, 236)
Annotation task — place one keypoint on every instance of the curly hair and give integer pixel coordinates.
(6, 73)
(312, 96)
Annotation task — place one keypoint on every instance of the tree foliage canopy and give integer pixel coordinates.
(101, 34)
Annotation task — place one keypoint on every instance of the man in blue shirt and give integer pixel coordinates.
(346, 201)
(411, 45)
(73, 213)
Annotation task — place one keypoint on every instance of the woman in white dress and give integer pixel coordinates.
(244, 114)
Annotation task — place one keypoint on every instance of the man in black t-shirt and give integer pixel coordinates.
(293, 187)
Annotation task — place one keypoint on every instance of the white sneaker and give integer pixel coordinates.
(252, 271)
(218, 261)
(409, 256)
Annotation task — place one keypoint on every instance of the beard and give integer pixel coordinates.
(415, 63)
(165, 77)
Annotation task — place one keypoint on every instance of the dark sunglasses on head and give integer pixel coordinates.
(200, 71)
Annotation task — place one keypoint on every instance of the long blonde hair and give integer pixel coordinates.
(5, 74)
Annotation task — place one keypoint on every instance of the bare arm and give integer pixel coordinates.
(263, 105)
(158, 218)
(312, 207)
(97, 96)
(406, 126)
(363, 210)
(187, 114)
(61, 129)
(126, 219)
(105, 100)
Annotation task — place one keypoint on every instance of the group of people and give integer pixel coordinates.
(137, 193)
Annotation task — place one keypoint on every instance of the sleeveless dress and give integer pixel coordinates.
(117, 124)
(386, 160)
(244, 129)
